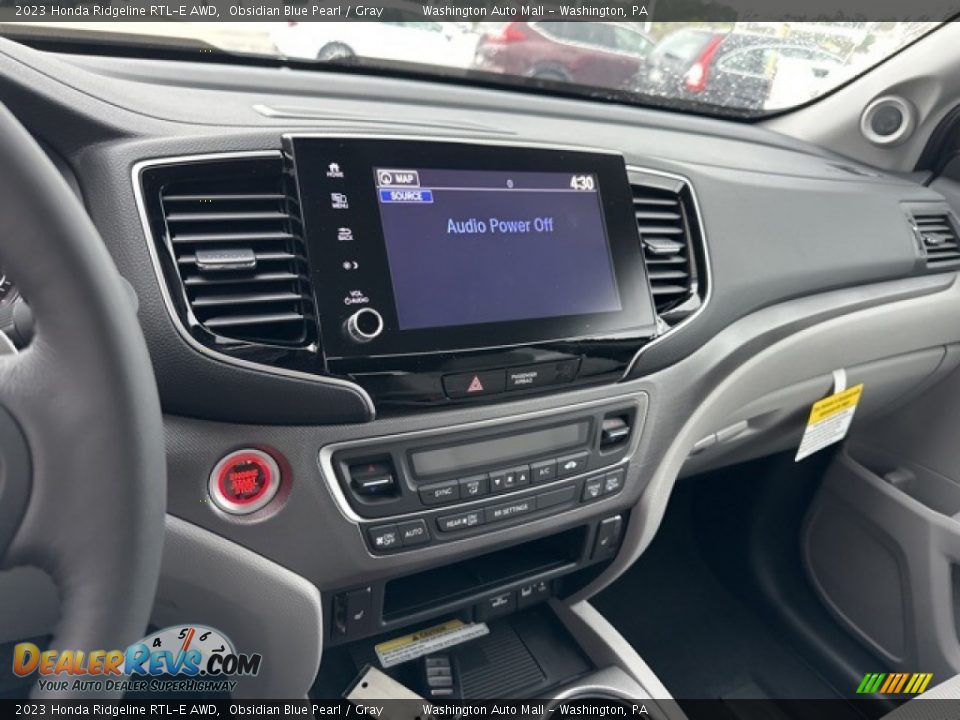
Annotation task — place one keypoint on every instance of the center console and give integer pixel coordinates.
(425, 274)
(417, 491)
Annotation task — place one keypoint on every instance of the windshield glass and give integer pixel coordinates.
(745, 68)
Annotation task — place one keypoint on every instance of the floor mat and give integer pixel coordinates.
(698, 637)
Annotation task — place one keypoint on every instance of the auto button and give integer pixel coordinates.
(413, 533)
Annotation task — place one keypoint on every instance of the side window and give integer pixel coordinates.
(559, 30)
(629, 41)
(757, 62)
(582, 33)
(601, 35)
(683, 45)
(794, 52)
(427, 26)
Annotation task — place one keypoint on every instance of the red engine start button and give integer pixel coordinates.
(244, 481)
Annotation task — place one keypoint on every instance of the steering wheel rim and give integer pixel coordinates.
(82, 467)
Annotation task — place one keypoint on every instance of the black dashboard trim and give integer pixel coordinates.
(168, 301)
(139, 167)
(632, 172)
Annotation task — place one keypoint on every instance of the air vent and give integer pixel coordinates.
(937, 235)
(666, 235)
(234, 240)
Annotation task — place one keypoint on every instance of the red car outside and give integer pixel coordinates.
(604, 54)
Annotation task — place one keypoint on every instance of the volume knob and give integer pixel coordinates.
(364, 325)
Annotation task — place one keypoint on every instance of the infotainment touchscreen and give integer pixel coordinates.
(427, 247)
(467, 247)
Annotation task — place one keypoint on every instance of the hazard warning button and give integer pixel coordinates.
(473, 384)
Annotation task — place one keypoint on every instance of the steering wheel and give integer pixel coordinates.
(82, 468)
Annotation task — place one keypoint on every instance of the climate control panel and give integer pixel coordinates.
(417, 489)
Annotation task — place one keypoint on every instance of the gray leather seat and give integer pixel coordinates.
(921, 708)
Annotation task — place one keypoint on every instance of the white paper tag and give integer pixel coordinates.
(410, 647)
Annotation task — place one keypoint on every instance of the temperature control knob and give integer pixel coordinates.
(364, 325)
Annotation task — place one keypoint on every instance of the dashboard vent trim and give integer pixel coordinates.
(671, 245)
(937, 235)
(237, 255)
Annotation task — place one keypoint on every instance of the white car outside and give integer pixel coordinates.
(426, 42)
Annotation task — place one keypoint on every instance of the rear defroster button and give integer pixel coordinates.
(244, 481)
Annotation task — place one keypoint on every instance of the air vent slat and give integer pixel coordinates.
(184, 238)
(658, 275)
(246, 279)
(661, 289)
(251, 283)
(666, 202)
(242, 320)
(260, 257)
(666, 241)
(199, 198)
(659, 260)
(223, 217)
(211, 301)
(662, 247)
(662, 216)
(663, 230)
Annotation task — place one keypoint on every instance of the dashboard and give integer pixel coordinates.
(471, 339)
(428, 273)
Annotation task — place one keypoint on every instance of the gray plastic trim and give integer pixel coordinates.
(6, 345)
(208, 579)
(604, 683)
(891, 584)
(887, 329)
(607, 648)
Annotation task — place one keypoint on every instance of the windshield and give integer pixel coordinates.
(746, 68)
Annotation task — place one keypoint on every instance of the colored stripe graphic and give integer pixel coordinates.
(891, 681)
(870, 683)
(903, 681)
(894, 683)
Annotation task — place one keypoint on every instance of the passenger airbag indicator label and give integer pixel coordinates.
(439, 637)
(829, 421)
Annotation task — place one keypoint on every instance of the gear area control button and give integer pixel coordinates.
(244, 481)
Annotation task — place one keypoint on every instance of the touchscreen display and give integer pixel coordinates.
(450, 246)
(471, 246)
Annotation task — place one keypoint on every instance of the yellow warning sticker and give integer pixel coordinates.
(829, 421)
(423, 642)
